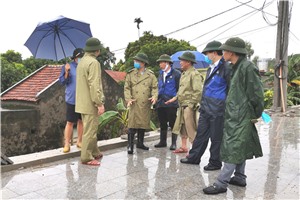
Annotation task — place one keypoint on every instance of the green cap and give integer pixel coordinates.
(189, 56)
(164, 58)
(92, 44)
(141, 57)
(236, 45)
(212, 46)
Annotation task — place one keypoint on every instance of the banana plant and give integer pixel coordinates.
(118, 118)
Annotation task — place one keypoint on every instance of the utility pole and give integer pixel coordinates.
(281, 68)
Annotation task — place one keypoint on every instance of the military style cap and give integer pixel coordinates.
(164, 58)
(141, 57)
(235, 44)
(189, 56)
(212, 46)
(92, 44)
(77, 53)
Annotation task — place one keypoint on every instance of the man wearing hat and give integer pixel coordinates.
(212, 108)
(68, 77)
(168, 85)
(90, 100)
(188, 96)
(140, 92)
(244, 104)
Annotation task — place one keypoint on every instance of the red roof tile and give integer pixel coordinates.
(116, 75)
(31, 86)
(28, 88)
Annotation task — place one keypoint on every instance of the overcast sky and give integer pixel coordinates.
(112, 21)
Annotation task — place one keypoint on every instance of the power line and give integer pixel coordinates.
(206, 19)
(221, 26)
(253, 30)
(228, 29)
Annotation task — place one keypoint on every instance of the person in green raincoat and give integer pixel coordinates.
(140, 92)
(244, 104)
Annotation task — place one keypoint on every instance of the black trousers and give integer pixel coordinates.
(209, 127)
(165, 115)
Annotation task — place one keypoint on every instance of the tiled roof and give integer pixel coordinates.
(29, 88)
(116, 75)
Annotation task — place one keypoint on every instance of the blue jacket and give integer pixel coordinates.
(215, 89)
(70, 82)
(168, 89)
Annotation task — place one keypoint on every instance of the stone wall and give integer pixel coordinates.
(28, 127)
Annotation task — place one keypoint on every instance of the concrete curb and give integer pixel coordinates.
(39, 158)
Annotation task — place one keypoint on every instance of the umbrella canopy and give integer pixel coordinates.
(199, 58)
(58, 38)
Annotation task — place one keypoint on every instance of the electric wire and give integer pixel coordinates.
(206, 19)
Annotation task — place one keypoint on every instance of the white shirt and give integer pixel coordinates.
(212, 66)
(166, 73)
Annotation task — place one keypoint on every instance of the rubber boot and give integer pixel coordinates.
(174, 139)
(163, 139)
(131, 134)
(140, 143)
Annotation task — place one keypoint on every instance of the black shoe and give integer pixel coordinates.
(142, 146)
(210, 167)
(160, 144)
(174, 139)
(187, 161)
(214, 190)
(234, 181)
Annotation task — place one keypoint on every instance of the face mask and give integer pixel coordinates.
(78, 60)
(166, 67)
(207, 60)
(137, 65)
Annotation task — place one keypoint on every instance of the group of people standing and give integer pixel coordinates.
(229, 100)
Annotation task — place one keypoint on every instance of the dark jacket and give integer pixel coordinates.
(215, 89)
(245, 101)
(168, 89)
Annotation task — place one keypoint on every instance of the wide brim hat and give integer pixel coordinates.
(164, 58)
(212, 46)
(189, 56)
(77, 53)
(141, 57)
(236, 45)
(92, 44)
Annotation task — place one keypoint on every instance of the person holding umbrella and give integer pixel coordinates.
(90, 100)
(188, 96)
(168, 85)
(68, 77)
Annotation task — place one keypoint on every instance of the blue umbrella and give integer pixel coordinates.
(199, 59)
(58, 38)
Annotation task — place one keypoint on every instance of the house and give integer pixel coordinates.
(33, 110)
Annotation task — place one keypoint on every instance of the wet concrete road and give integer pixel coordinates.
(158, 173)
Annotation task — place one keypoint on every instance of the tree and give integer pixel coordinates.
(153, 46)
(12, 56)
(255, 59)
(11, 73)
(31, 64)
(106, 57)
(249, 49)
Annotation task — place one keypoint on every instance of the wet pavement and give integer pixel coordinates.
(158, 173)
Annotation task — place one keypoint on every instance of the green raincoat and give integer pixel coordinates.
(245, 101)
(140, 87)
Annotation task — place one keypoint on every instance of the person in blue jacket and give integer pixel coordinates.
(68, 77)
(168, 84)
(212, 108)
